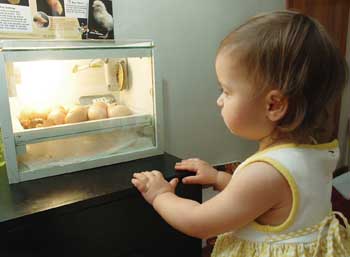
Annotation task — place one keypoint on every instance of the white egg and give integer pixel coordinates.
(97, 112)
(59, 108)
(117, 110)
(57, 116)
(76, 114)
(100, 104)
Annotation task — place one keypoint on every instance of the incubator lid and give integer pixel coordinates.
(30, 45)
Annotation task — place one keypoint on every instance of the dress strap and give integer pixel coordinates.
(333, 235)
(298, 233)
(329, 225)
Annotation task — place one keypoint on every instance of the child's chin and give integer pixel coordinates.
(236, 133)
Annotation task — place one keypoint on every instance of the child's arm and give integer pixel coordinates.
(205, 174)
(255, 190)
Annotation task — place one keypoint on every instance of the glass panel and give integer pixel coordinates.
(68, 111)
(83, 148)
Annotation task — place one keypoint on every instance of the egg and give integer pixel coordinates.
(97, 111)
(101, 104)
(46, 123)
(76, 114)
(57, 116)
(59, 108)
(117, 110)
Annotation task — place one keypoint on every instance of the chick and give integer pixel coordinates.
(102, 17)
(56, 7)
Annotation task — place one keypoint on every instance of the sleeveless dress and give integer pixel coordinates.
(311, 229)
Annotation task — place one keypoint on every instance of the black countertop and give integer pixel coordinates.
(67, 192)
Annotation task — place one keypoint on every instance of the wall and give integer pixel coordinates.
(187, 34)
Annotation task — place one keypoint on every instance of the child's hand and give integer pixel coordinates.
(204, 173)
(152, 183)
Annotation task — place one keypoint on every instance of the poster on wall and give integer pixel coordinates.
(57, 19)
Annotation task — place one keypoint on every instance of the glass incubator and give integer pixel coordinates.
(73, 105)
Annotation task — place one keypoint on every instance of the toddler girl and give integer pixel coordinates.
(278, 74)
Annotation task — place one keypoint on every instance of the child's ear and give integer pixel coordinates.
(276, 105)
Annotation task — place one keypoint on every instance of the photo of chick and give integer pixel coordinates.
(51, 7)
(15, 2)
(41, 20)
(100, 22)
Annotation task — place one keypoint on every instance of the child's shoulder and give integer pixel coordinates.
(261, 174)
(263, 181)
(261, 184)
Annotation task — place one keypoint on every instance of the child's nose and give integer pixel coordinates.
(219, 101)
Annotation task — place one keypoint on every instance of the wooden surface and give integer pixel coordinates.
(48, 194)
(334, 16)
(91, 213)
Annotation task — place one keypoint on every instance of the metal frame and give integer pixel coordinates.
(6, 127)
(11, 138)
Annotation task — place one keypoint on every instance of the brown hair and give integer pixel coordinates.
(291, 52)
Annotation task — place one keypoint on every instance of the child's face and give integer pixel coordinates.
(242, 110)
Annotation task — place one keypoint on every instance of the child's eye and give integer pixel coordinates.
(223, 91)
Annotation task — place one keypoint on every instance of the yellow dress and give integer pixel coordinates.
(311, 229)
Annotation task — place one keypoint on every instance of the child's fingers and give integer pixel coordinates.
(140, 176)
(193, 161)
(138, 184)
(157, 173)
(183, 168)
(191, 180)
(134, 182)
(188, 165)
(189, 160)
(174, 182)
